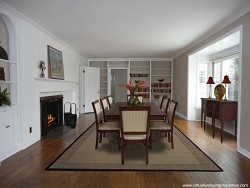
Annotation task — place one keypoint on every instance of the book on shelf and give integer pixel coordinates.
(138, 75)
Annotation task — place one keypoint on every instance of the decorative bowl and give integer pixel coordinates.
(160, 79)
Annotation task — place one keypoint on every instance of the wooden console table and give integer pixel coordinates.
(223, 110)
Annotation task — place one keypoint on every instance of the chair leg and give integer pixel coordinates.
(96, 140)
(150, 139)
(100, 139)
(166, 134)
(122, 152)
(169, 137)
(172, 140)
(118, 140)
(146, 152)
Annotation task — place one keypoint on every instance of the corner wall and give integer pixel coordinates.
(181, 76)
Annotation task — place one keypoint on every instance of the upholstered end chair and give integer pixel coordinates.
(101, 126)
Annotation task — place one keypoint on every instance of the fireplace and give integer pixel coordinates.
(51, 109)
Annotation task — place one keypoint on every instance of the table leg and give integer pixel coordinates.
(221, 131)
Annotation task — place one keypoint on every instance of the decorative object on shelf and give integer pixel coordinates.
(219, 91)
(55, 63)
(42, 68)
(3, 53)
(226, 81)
(2, 74)
(133, 99)
(4, 98)
(160, 79)
(210, 81)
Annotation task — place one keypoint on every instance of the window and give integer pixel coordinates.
(221, 67)
(228, 66)
(201, 84)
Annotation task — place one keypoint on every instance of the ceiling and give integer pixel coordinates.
(129, 28)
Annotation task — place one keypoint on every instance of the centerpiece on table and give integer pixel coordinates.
(133, 99)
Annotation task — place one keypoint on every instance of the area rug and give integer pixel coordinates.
(81, 155)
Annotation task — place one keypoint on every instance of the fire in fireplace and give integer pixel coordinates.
(51, 108)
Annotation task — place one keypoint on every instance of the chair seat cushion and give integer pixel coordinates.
(159, 125)
(109, 126)
(135, 137)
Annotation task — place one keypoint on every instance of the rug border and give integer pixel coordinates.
(114, 170)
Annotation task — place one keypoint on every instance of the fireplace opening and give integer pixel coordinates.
(51, 113)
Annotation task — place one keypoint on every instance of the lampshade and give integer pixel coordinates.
(226, 80)
(210, 80)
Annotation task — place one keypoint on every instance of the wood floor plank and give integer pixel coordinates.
(27, 168)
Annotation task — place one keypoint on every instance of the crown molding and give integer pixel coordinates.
(22, 16)
(216, 29)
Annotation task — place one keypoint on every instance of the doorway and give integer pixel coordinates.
(119, 94)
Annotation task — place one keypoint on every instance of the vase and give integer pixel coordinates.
(133, 101)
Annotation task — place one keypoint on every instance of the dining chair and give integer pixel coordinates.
(161, 100)
(110, 100)
(105, 106)
(134, 127)
(165, 104)
(164, 108)
(102, 126)
(165, 126)
(140, 97)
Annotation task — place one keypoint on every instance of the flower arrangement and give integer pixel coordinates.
(133, 99)
(133, 88)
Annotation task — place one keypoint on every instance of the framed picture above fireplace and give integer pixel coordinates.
(55, 60)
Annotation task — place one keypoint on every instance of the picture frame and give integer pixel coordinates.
(55, 61)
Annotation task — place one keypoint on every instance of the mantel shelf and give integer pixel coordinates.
(55, 80)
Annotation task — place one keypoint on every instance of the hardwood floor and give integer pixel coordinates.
(26, 168)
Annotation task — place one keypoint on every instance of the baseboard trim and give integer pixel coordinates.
(243, 152)
(181, 115)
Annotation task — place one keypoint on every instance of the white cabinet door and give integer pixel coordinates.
(9, 137)
(89, 88)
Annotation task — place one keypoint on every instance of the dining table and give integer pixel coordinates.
(113, 113)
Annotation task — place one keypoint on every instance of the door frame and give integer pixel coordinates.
(109, 76)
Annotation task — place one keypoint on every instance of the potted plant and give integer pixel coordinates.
(4, 98)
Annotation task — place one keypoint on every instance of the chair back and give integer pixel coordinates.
(98, 112)
(105, 106)
(161, 98)
(140, 98)
(134, 120)
(171, 112)
(165, 104)
(110, 100)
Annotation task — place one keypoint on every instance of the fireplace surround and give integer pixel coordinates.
(51, 112)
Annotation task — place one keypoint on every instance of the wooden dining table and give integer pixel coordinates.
(113, 113)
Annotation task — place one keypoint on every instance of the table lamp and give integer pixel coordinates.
(226, 81)
(210, 81)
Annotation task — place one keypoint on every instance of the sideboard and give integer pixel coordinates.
(223, 110)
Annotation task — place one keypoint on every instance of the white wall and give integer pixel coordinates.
(32, 43)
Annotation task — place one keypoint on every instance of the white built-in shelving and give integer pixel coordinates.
(147, 70)
(10, 82)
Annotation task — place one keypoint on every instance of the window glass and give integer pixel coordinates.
(201, 83)
(231, 68)
(217, 72)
